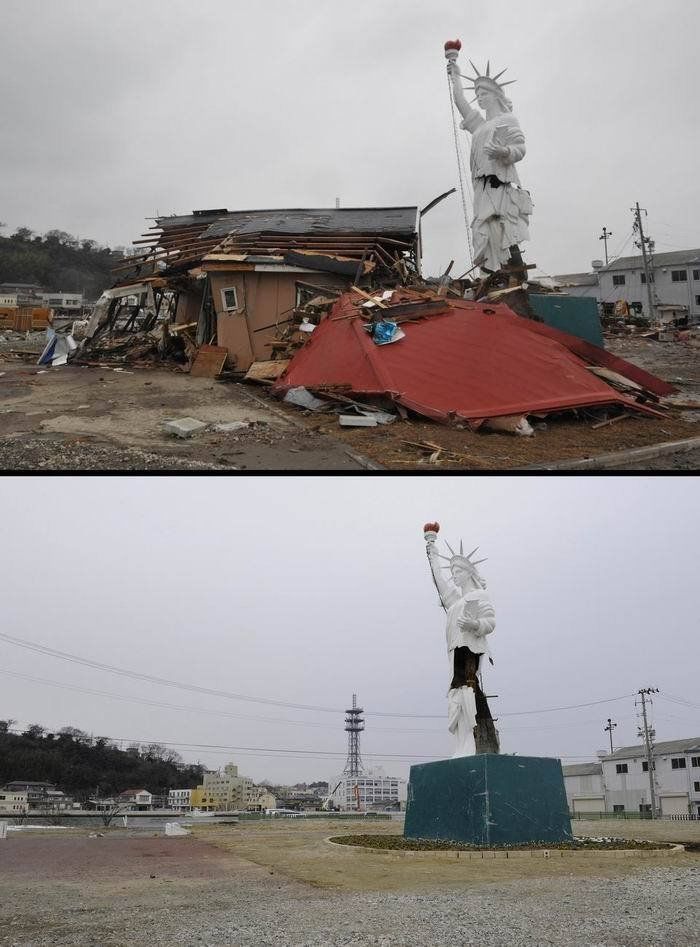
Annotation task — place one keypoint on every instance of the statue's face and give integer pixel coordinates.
(461, 576)
(486, 98)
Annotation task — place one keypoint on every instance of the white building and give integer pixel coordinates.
(580, 284)
(676, 778)
(623, 780)
(584, 787)
(675, 277)
(61, 300)
(13, 803)
(371, 791)
(180, 799)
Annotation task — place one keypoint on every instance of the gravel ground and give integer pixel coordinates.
(654, 908)
(115, 892)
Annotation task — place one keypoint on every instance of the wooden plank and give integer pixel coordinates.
(209, 362)
(267, 371)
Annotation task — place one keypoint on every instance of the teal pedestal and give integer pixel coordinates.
(488, 800)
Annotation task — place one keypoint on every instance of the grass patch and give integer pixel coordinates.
(396, 843)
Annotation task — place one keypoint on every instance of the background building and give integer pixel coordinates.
(676, 778)
(368, 791)
(180, 799)
(619, 782)
(675, 277)
(584, 787)
(70, 302)
(13, 803)
(222, 792)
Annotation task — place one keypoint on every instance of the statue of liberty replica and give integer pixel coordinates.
(502, 208)
(479, 796)
(470, 620)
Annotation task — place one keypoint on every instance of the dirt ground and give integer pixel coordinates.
(75, 418)
(301, 852)
(281, 884)
(88, 418)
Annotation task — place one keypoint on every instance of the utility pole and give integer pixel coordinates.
(644, 693)
(605, 237)
(645, 245)
(609, 729)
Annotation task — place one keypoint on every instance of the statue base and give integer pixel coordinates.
(488, 800)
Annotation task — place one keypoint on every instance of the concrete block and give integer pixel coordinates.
(184, 427)
(356, 420)
(230, 426)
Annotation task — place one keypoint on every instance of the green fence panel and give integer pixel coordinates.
(577, 315)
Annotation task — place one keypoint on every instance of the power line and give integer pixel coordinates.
(196, 688)
(198, 710)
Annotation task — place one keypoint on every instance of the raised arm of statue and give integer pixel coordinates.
(447, 590)
(471, 118)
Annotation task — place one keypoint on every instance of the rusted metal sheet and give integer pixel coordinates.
(473, 362)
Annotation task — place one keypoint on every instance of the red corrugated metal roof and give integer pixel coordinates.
(473, 362)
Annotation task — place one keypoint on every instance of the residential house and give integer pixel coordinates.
(140, 799)
(239, 275)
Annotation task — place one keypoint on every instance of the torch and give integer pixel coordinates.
(452, 48)
(431, 530)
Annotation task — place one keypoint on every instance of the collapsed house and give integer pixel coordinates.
(450, 359)
(231, 279)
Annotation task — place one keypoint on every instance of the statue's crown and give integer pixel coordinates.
(460, 559)
(486, 79)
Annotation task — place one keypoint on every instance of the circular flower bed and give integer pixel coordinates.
(396, 843)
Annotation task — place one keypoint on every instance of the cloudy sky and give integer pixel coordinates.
(297, 592)
(123, 111)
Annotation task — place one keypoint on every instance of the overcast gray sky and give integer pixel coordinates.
(122, 111)
(304, 590)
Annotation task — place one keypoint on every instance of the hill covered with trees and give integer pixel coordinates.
(57, 261)
(81, 765)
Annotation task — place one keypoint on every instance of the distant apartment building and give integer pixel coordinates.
(675, 279)
(222, 792)
(13, 803)
(619, 782)
(180, 799)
